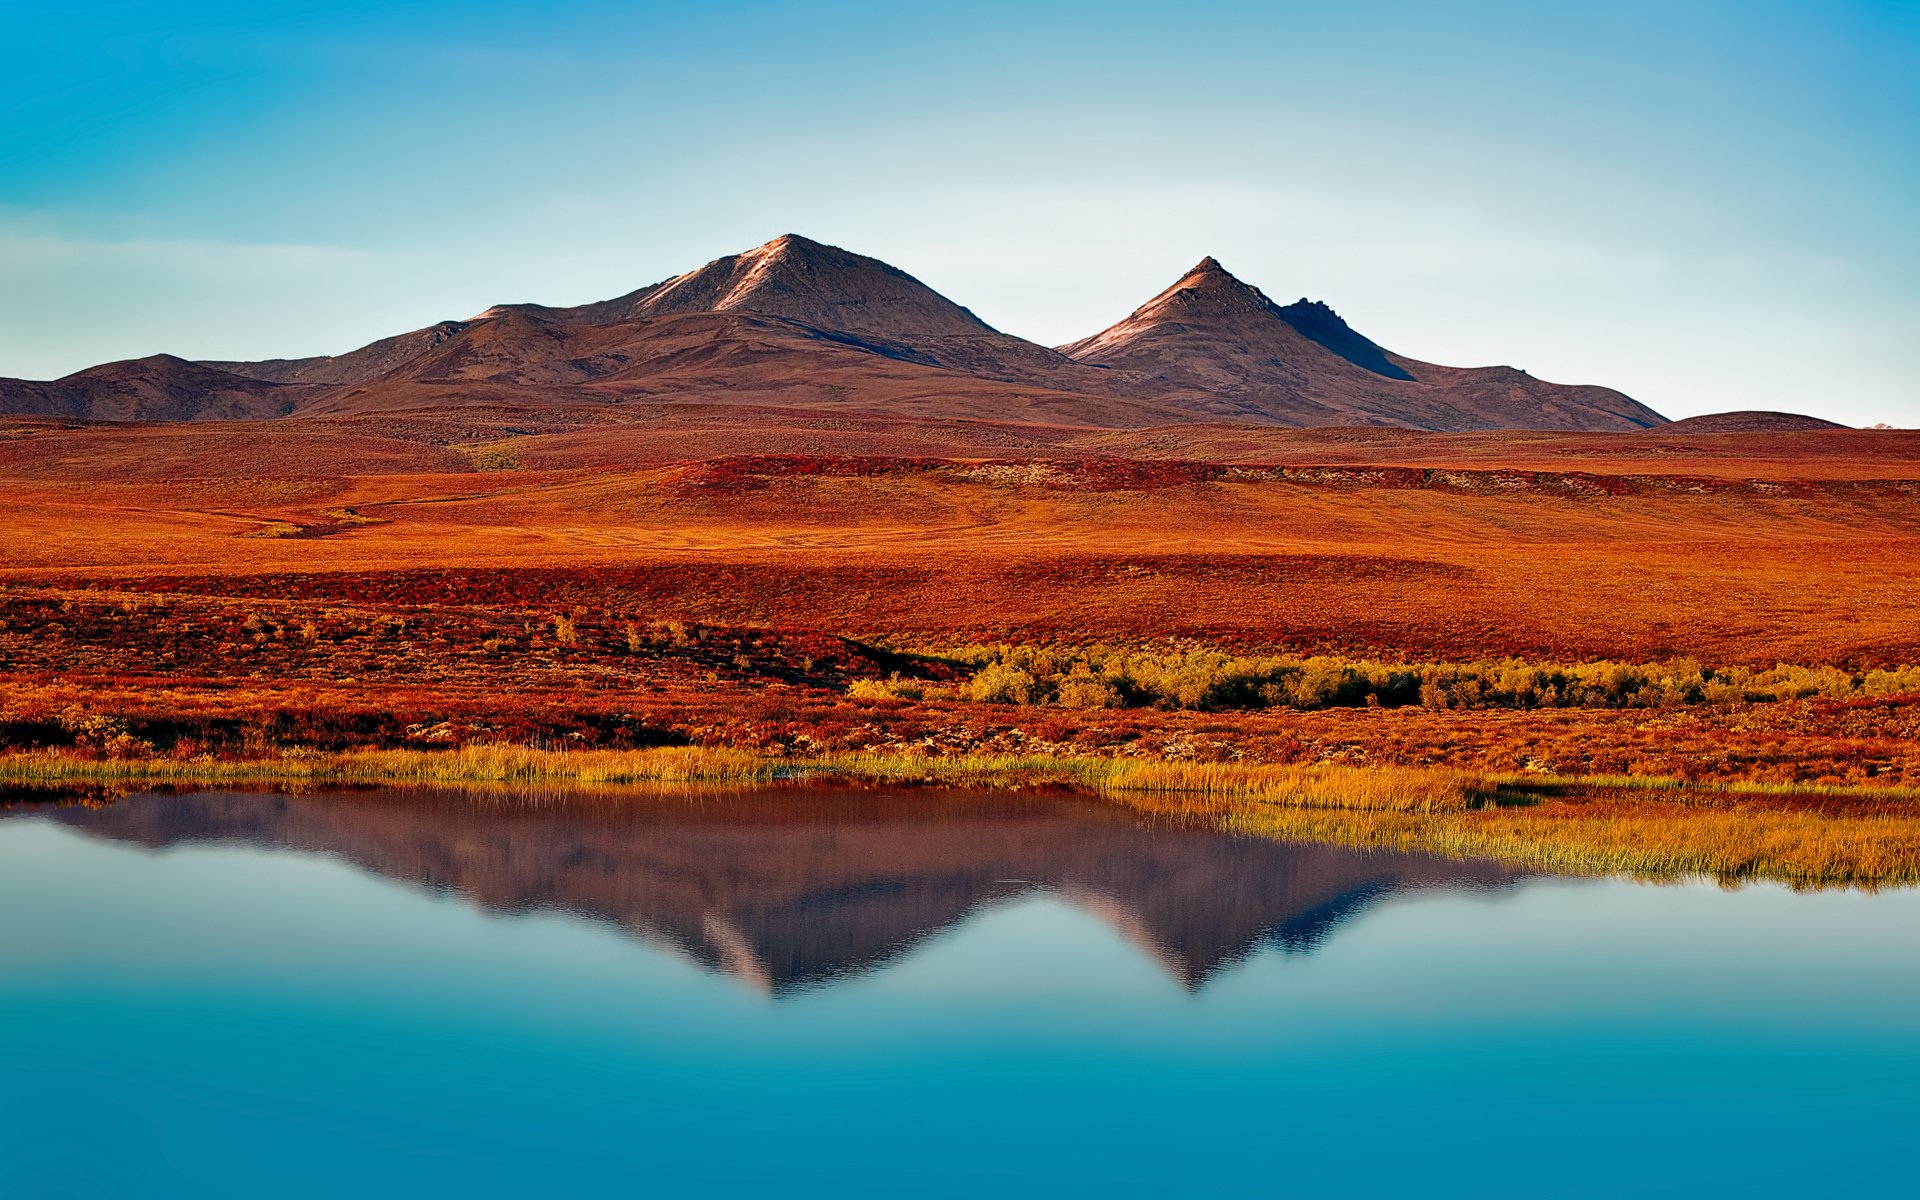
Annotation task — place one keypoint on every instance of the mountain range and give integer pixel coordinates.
(798, 324)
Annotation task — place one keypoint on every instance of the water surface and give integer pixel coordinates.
(877, 992)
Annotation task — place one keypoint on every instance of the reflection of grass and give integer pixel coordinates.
(1640, 826)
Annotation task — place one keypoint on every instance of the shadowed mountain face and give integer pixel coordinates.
(798, 324)
(791, 888)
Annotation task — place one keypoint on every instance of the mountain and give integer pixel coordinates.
(158, 388)
(806, 296)
(793, 323)
(799, 280)
(801, 325)
(1225, 349)
(524, 356)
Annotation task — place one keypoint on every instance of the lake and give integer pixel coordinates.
(813, 991)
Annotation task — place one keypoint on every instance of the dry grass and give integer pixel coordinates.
(1813, 837)
(1390, 789)
(1645, 837)
(469, 764)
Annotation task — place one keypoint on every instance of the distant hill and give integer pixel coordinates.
(798, 324)
(159, 388)
(1749, 421)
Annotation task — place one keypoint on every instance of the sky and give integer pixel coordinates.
(1709, 206)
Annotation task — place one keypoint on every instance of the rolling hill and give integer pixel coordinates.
(1752, 421)
(158, 388)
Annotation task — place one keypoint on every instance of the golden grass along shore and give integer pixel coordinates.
(1320, 786)
(1653, 827)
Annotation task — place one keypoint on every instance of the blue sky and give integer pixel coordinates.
(1707, 205)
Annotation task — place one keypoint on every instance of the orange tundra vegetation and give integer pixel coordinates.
(1718, 608)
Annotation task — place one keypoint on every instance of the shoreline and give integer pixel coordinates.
(1654, 827)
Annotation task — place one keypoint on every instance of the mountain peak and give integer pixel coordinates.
(786, 246)
(1215, 332)
(1207, 292)
(791, 242)
(1208, 273)
(797, 279)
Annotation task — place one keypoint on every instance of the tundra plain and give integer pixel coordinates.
(1712, 609)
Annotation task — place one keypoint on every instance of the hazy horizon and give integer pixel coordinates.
(1708, 209)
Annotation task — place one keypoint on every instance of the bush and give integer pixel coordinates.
(999, 683)
(1203, 679)
(1083, 689)
(887, 689)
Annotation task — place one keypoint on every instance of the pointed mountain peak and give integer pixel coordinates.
(786, 246)
(797, 250)
(1209, 316)
(1208, 291)
(798, 279)
(1209, 275)
(792, 243)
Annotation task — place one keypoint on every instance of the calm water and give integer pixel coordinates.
(870, 993)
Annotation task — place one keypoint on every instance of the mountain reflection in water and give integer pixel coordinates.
(796, 887)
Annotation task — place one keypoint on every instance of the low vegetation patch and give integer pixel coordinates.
(1213, 680)
(502, 455)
